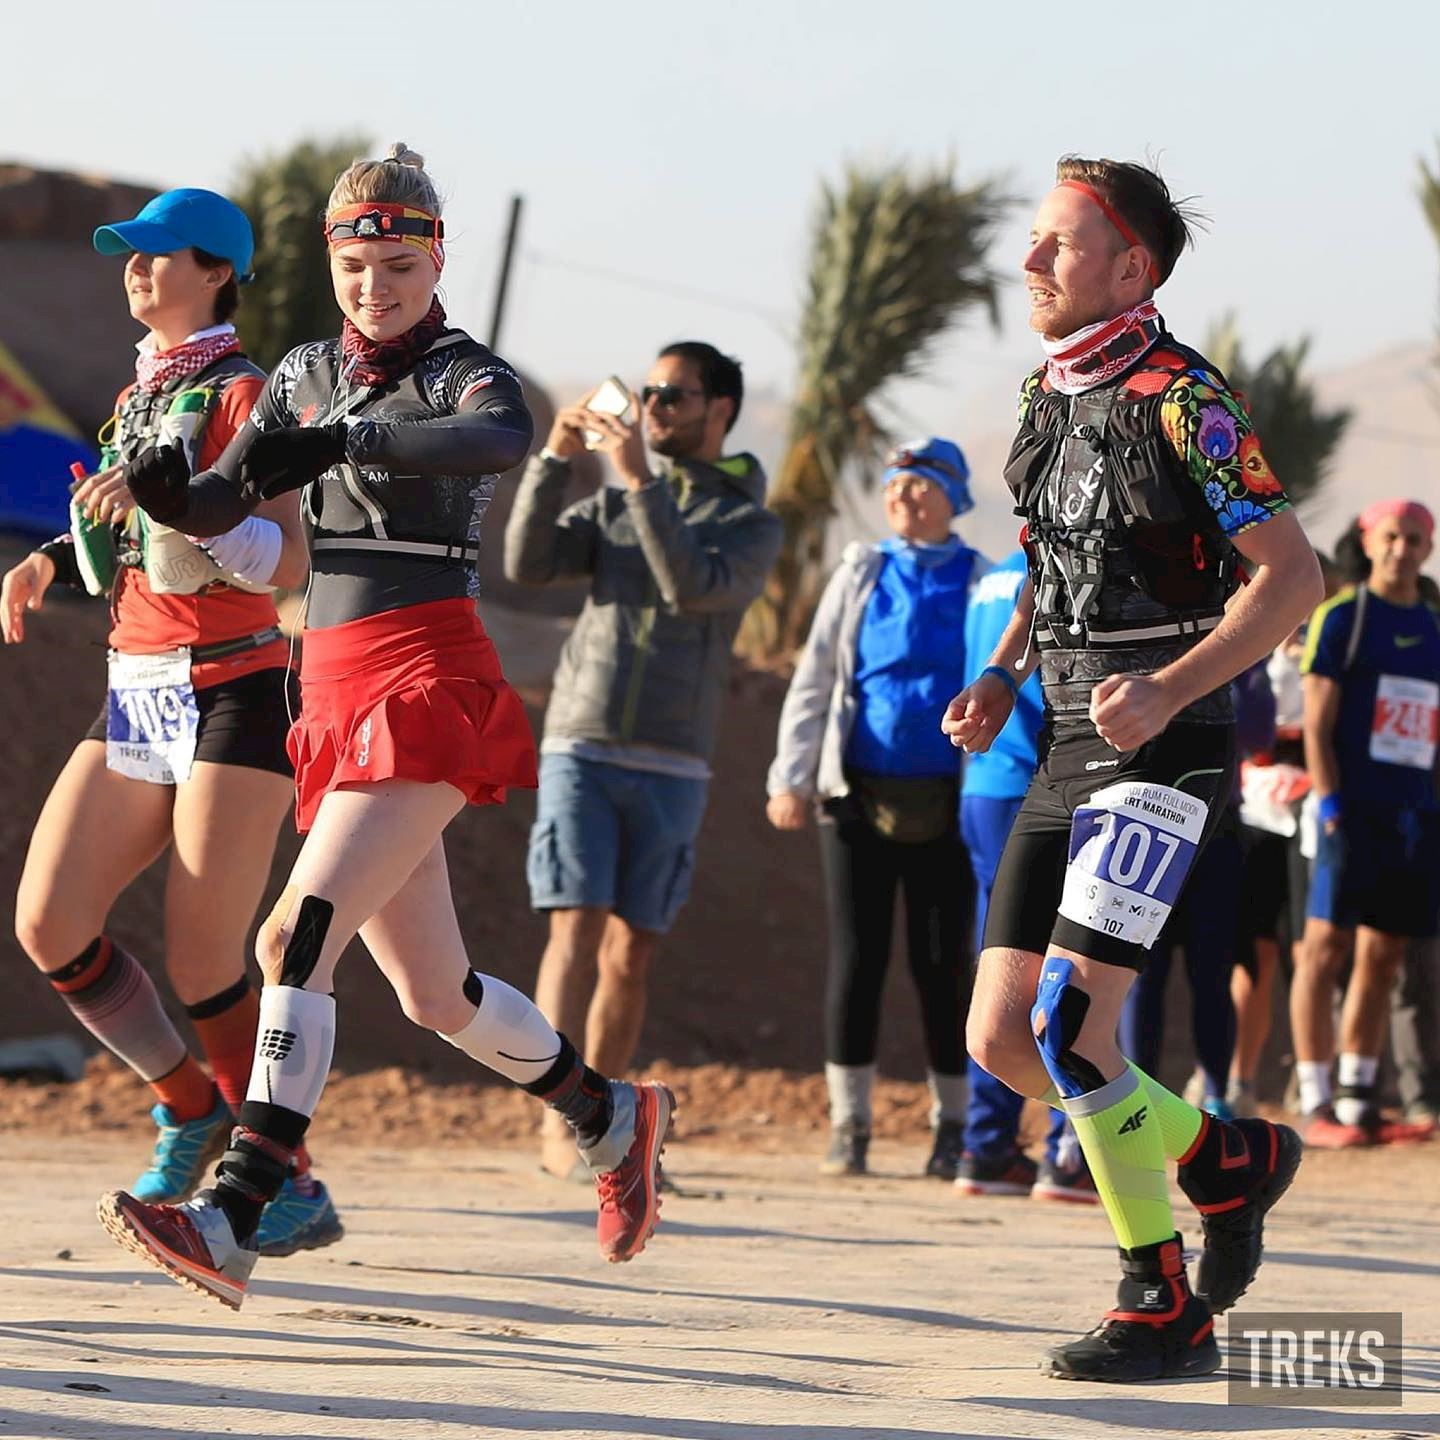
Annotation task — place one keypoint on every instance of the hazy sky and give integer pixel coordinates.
(682, 145)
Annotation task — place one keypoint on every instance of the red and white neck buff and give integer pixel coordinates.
(155, 369)
(399, 224)
(378, 362)
(1098, 353)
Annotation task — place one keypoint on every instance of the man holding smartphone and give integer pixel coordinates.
(672, 556)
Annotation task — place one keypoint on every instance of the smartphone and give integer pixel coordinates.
(610, 398)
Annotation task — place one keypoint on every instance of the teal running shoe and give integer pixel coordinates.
(184, 1153)
(295, 1221)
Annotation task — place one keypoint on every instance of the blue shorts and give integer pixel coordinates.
(617, 839)
(1379, 870)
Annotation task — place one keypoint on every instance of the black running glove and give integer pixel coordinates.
(159, 479)
(277, 461)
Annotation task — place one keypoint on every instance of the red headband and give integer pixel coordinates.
(402, 224)
(1116, 219)
(1399, 510)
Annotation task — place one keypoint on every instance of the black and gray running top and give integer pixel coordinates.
(399, 522)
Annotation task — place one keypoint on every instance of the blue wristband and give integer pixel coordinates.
(1328, 809)
(1006, 676)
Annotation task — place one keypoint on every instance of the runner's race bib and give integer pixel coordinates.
(152, 720)
(1130, 851)
(1403, 730)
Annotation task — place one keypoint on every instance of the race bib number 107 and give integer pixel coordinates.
(1131, 848)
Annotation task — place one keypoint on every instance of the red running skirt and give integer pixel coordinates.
(410, 694)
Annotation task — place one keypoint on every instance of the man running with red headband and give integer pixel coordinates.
(1143, 486)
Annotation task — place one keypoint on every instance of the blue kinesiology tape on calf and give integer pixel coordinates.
(1056, 1020)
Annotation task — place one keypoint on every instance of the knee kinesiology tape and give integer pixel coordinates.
(1056, 1019)
(306, 943)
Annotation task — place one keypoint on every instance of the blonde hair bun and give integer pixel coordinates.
(399, 179)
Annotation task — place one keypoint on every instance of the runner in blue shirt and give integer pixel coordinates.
(1372, 704)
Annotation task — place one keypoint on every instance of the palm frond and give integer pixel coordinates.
(1299, 438)
(896, 259)
(291, 299)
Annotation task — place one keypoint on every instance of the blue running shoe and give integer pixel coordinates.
(294, 1221)
(184, 1152)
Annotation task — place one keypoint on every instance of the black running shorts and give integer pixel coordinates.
(1103, 842)
(242, 721)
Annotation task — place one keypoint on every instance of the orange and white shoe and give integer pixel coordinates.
(630, 1193)
(192, 1243)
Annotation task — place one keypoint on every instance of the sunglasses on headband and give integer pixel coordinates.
(909, 460)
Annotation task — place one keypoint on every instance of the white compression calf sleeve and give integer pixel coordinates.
(293, 1049)
(508, 1034)
(251, 550)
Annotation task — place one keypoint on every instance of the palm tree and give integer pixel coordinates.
(1298, 436)
(284, 195)
(895, 260)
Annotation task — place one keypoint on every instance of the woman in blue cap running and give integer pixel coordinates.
(858, 735)
(188, 750)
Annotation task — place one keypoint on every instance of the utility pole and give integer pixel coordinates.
(502, 282)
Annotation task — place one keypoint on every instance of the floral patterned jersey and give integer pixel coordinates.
(1209, 429)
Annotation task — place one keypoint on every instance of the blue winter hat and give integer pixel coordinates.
(939, 460)
(180, 219)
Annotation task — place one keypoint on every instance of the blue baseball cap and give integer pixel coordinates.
(939, 460)
(180, 219)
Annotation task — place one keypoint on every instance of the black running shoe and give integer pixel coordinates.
(1236, 1171)
(1158, 1330)
(945, 1153)
(1010, 1173)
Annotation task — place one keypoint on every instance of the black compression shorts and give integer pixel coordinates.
(242, 721)
(1025, 904)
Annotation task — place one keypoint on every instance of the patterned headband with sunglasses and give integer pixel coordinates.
(938, 460)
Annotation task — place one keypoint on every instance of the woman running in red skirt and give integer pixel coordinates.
(396, 433)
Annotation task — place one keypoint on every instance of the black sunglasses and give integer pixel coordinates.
(666, 396)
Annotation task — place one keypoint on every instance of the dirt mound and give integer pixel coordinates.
(403, 1105)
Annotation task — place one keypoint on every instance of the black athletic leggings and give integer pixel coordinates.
(862, 872)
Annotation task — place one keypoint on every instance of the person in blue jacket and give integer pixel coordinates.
(994, 784)
(859, 740)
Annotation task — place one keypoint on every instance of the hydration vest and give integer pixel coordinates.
(1129, 565)
(364, 508)
(179, 411)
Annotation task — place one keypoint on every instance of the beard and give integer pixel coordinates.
(677, 444)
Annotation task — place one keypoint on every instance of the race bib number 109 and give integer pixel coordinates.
(1131, 848)
(153, 720)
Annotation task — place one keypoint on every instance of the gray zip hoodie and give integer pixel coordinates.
(671, 568)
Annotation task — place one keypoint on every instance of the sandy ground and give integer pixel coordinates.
(468, 1299)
